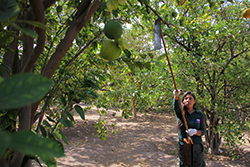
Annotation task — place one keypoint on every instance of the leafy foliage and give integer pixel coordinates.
(207, 41)
(210, 47)
(21, 90)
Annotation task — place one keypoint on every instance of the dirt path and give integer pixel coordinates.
(149, 141)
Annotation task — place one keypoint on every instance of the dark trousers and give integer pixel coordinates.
(198, 156)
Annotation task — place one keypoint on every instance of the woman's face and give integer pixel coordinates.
(189, 101)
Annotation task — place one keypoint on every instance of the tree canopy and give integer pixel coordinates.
(60, 41)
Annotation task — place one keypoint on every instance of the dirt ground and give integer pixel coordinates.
(148, 141)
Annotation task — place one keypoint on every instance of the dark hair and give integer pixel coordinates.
(188, 93)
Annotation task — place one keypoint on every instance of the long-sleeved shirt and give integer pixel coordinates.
(194, 120)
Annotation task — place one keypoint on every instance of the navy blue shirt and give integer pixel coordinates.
(194, 120)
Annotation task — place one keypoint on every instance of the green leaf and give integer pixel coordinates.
(70, 95)
(89, 83)
(5, 122)
(23, 89)
(147, 65)
(163, 56)
(25, 30)
(66, 122)
(57, 134)
(127, 53)
(59, 9)
(43, 131)
(2, 113)
(151, 55)
(144, 2)
(123, 43)
(8, 9)
(12, 114)
(50, 162)
(112, 5)
(80, 111)
(122, 2)
(50, 119)
(91, 93)
(4, 142)
(63, 100)
(99, 76)
(5, 38)
(34, 23)
(143, 56)
(63, 137)
(9, 152)
(139, 64)
(32, 144)
(70, 116)
(46, 124)
(7, 68)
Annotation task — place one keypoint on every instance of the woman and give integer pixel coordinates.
(196, 128)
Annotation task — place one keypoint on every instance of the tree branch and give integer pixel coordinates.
(219, 47)
(199, 80)
(38, 11)
(232, 57)
(82, 8)
(48, 3)
(70, 35)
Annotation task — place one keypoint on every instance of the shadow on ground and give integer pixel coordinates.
(148, 141)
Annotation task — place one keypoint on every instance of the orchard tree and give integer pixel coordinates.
(212, 49)
(35, 48)
(208, 36)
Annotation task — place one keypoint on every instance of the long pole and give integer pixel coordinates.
(169, 64)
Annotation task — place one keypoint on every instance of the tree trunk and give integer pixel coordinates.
(216, 143)
(212, 139)
(77, 24)
(24, 124)
(17, 159)
(134, 106)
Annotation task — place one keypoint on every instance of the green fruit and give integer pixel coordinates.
(110, 50)
(174, 14)
(113, 29)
